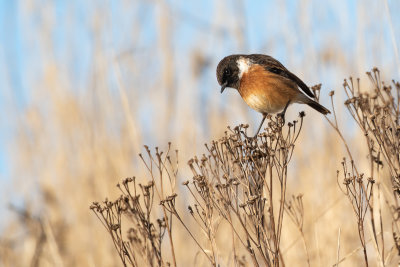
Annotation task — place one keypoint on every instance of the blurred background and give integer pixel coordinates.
(85, 84)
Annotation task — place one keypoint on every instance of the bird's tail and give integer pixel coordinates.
(318, 107)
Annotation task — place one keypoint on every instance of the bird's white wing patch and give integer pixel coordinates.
(243, 65)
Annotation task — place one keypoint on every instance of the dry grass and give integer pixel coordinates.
(241, 184)
(83, 124)
(241, 181)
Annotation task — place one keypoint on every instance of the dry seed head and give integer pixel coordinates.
(316, 87)
(172, 197)
(161, 222)
(347, 181)
(372, 117)
(252, 198)
(95, 205)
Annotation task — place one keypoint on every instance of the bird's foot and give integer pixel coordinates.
(249, 137)
(281, 118)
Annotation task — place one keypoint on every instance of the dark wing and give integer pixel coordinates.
(274, 66)
(301, 84)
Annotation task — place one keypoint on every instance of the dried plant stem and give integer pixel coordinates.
(378, 117)
(348, 255)
(338, 249)
(195, 240)
(335, 126)
(161, 166)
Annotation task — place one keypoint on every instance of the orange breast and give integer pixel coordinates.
(266, 92)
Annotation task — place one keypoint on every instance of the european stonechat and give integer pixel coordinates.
(264, 84)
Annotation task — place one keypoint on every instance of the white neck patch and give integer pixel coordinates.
(243, 65)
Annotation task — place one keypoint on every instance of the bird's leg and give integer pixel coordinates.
(259, 127)
(282, 114)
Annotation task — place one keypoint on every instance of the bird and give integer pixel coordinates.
(264, 84)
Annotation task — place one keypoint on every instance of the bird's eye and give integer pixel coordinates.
(227, 71)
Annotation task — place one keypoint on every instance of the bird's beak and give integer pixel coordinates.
(223, 86)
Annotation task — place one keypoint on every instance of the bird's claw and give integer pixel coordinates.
(282, 116)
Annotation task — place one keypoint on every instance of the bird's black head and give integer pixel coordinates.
(228, 72)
